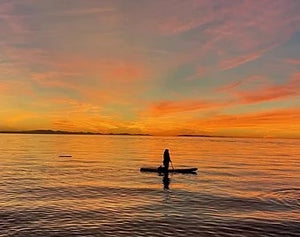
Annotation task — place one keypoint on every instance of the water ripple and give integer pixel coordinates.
(244, 187)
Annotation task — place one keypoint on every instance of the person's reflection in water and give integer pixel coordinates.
(166, 161)
(166, 180)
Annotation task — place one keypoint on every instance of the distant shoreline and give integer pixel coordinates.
(190, 135)
(216, 136)
(59, 132)
(70, 133)
(212, 136)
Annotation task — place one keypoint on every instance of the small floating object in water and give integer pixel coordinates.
(65, 156)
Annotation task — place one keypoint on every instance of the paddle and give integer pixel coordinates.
(172, 165)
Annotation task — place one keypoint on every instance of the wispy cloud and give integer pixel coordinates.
(250, 83)
(11, 88)
(162, 108)
(293, 61)
(248, 120)
(271, 92)
(239, 60)
(85, 11)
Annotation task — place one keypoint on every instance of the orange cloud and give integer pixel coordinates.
(274, 123)
(284, 116)
(97, 81)
(94, 123)
(167, 107)
(75, 106)
(273, 92)
(255, 89)
(11, 88)
(3, 88)
(20, 119)
(110, 70)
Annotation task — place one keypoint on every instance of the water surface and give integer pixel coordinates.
(244, 187)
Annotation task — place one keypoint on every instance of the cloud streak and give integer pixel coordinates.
(163, 108)
(265, 91)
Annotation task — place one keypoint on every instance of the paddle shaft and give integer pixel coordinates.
(172, 164)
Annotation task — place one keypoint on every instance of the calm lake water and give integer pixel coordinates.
(244, 187)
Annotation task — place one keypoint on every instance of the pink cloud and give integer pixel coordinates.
(54, 79)
(232, 34)
(254, 81)
(108, 70)
(98, 80)
(270, 92)
(177, 25)
(237, 61)
(86, 11)
(12, 24)
(19, 61)
(293, 61)
(230, 86)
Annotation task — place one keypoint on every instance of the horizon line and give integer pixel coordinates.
(62, 132)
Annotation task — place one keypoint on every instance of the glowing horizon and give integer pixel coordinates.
(227, 68)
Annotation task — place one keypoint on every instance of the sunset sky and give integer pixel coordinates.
(151, 66)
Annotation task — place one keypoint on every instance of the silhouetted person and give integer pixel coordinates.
(166, 160)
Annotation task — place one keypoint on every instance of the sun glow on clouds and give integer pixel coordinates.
(158, 67)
